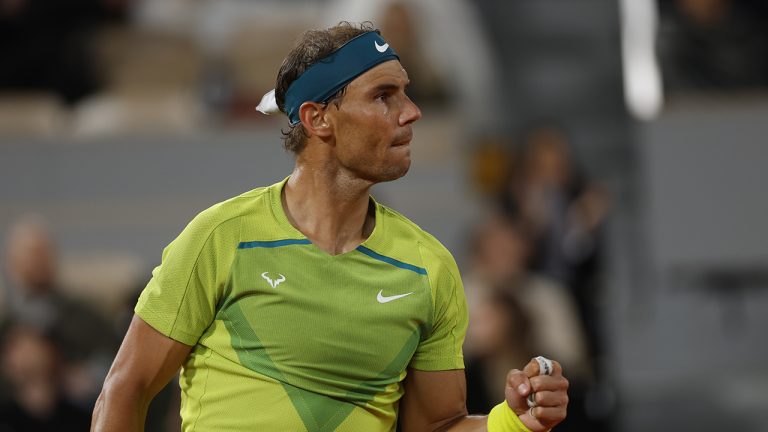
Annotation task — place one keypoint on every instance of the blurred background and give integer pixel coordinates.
(597, 167)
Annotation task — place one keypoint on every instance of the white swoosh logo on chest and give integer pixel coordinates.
(386, 299)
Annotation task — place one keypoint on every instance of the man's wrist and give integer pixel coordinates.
(503, 419)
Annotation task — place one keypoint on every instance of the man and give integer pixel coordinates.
(34, 400)
(35, 299)
(306, 305)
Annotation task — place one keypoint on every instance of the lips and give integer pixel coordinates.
(404, 140)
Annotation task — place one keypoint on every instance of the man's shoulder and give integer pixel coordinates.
(226, 217)
(253, 203)
(402, 230)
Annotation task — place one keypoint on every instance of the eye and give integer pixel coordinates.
(382, 96)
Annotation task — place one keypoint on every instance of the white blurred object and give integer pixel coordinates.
(131, 113)
(642, 78)
(268, 104)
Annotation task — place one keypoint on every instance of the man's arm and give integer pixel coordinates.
(436, 401)
(145, 363)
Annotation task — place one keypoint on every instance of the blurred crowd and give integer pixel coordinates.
(171, 65)
(55, 348)
(533, 278)
(713, 45)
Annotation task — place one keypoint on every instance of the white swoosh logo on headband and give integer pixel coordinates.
(381, 48)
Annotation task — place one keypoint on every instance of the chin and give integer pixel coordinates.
(400, 171)
(391, 173)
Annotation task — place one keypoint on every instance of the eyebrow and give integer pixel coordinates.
(389, 86)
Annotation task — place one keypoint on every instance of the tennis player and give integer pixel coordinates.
(307, 305)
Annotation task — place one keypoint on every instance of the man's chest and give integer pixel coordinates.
(349, 317)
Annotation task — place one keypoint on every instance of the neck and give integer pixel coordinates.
(330, 207)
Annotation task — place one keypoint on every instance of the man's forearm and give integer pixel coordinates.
(472, 423)
(120, 409)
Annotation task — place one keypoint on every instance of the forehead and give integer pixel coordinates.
(391, 72)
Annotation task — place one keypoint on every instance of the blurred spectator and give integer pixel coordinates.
(31, 365)
(566, 215)
(500, 336)
(713, 44)
(34, 299)
(499, 262)
(45, 45)
(490, 166)
(515, 315)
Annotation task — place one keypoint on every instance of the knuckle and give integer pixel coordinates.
(514, 375)
(536, 383)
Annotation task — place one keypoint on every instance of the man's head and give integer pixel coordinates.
(501, 248)
(312, 46)
(31, 255)
(366, 123)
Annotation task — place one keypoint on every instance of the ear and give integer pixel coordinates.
(313, 116)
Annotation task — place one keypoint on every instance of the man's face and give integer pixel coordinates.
(372, 126)
(31, 259)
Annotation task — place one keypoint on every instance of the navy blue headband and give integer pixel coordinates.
(327, 76)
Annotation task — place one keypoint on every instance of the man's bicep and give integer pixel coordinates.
(433, 399)
(147, 359)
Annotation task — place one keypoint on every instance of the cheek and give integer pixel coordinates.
(369, 140)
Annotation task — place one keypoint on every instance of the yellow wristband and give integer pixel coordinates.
(503, 419)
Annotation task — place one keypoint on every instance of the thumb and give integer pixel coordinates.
(516, 390)
(532, 368)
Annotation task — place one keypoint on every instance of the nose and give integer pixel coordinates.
(410, 112)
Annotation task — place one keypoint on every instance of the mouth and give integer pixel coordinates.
(404, 141)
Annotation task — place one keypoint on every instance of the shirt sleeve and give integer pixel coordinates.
(441, 349)
(180, 300)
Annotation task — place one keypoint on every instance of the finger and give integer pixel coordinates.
(557, 368)
(533, 368)
(519, 382)
(546, 416)
(517, 388)
(549, 383)
(551, 399)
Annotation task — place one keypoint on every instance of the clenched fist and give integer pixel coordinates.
(549, 394)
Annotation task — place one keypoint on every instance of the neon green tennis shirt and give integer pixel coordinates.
(289, 338)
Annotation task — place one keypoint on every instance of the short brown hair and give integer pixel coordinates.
(311, 46)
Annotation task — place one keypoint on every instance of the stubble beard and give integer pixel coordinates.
(388, 173)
